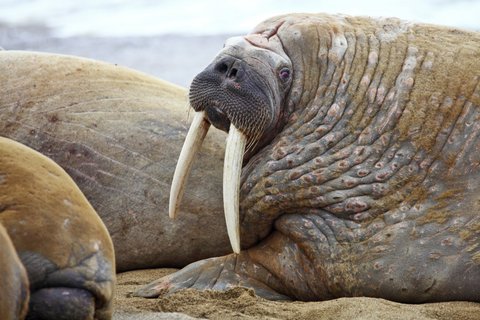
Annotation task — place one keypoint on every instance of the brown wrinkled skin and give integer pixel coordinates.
(118, 134)
(58, 236)
(372, 186)
(14, 292)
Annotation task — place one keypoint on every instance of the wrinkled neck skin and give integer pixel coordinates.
(265, 52)
(357, 144)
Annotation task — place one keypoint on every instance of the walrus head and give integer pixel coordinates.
(243, 92)
(245, 86)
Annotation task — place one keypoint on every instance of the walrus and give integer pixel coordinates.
(117, 132)
(359, 143)
(57, 239)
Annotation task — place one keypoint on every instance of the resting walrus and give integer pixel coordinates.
(117, 132)
(361, 173)
(60, 241)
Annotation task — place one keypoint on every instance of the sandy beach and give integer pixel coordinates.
(240, 303)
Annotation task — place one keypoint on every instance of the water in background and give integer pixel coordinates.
(175, 39)
(153, 17)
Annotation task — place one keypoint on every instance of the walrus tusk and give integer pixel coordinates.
(193, 141)
(234, 150)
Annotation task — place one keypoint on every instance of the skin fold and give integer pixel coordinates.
(366, 181)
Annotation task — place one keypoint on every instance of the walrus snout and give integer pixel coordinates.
(232, 91)
(231, 68)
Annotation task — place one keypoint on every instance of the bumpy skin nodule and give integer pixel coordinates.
(371, 187)
(60, 240)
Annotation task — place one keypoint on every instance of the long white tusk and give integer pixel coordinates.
(231, 184)
(193, 141)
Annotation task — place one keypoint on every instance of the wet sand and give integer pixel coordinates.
(177, 59)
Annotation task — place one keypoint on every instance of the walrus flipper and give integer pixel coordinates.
(218, 274)
(61, 303)
(60, 240)
(68, 293)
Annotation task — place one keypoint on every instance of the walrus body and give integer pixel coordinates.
(363, 176)
(60, 240)
(117, 133)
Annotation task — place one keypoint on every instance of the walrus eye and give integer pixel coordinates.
(284, 74)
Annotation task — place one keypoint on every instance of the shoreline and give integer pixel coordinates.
(174, 58)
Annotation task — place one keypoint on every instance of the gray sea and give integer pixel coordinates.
(175, 39)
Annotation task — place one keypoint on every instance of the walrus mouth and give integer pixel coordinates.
(235, 148)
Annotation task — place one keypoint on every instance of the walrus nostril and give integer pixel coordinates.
(221, 67)
(233, 73)
(228, 68)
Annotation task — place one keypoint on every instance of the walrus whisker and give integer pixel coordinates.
(193, 141)
(188, 107)
(256, 139)
(232, 169)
